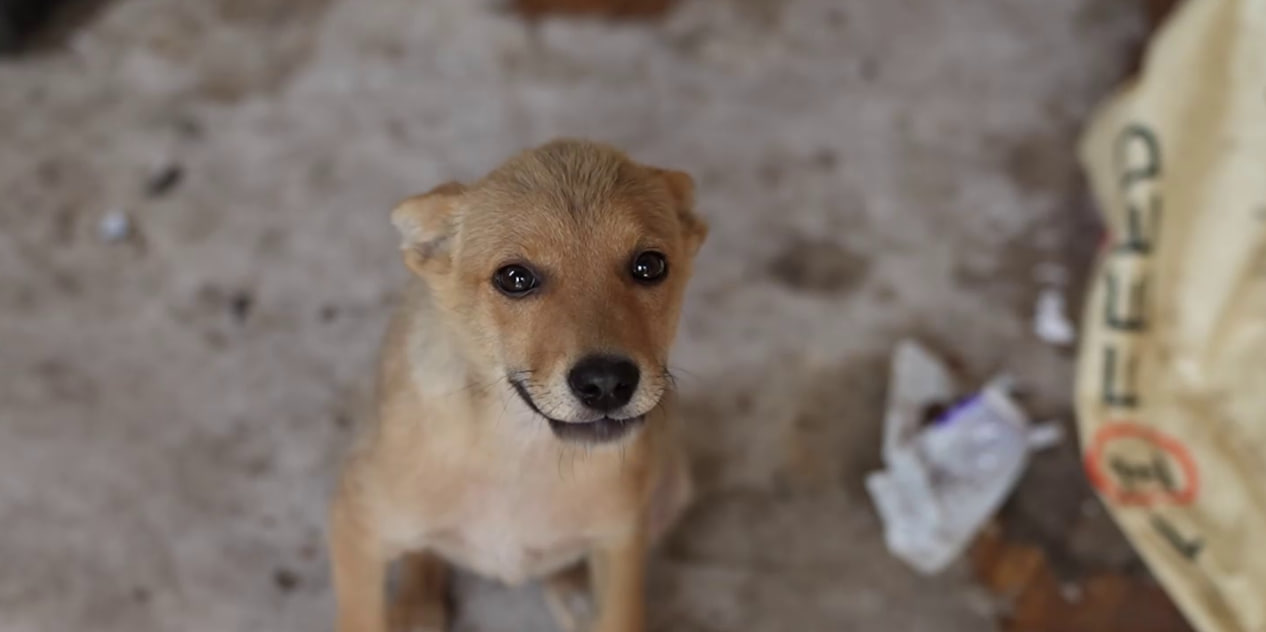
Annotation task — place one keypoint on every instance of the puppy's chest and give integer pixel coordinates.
(515, 524)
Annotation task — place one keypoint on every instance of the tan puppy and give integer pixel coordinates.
(524, 420)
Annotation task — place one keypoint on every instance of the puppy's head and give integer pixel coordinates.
(564, 270)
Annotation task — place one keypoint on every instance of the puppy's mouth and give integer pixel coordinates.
(601, 430)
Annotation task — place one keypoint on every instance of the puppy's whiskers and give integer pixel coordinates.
(678, 373)
(479, 387)
(668, 378)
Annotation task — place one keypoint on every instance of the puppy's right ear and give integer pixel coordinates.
(681, 187)
(426, 228)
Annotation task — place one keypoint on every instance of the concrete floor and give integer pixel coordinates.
(171, 406)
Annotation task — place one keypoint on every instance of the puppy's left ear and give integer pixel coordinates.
(681, 187)
(426, 228)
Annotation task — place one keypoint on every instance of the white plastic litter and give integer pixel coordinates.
(943, 481)
(1050, 322)
(115, 226)
(1045, 435)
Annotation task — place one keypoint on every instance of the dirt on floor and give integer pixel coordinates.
(175, 389)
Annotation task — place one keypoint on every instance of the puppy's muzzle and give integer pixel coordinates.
(604, 383)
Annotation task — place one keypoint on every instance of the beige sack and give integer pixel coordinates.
(1171, 384)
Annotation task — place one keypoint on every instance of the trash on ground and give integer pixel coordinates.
(1037, 601)
(115, 226)
(1050, 320)
(1047, 434)
(944, 479)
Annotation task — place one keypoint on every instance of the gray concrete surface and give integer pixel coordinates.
(171, 406)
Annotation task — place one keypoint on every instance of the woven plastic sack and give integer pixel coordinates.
(1171, 383)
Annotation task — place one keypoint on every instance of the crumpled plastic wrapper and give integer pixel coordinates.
(943, 480)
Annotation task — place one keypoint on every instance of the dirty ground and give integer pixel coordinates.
(174, 390)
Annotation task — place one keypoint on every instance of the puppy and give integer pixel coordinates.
(524, 420)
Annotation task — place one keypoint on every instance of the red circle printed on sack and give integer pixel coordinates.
(1171, 449)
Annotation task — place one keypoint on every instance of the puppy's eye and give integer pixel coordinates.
(650, 267)
(514, 280)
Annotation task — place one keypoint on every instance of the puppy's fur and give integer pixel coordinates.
(481, 454)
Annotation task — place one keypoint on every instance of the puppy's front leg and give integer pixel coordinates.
(619, 578)
(359, 567)
(420, 603)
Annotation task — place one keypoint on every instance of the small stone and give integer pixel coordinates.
(240, 305)
(285, 579)
(164, 180)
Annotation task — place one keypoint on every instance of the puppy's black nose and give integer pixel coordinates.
(602, 382)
